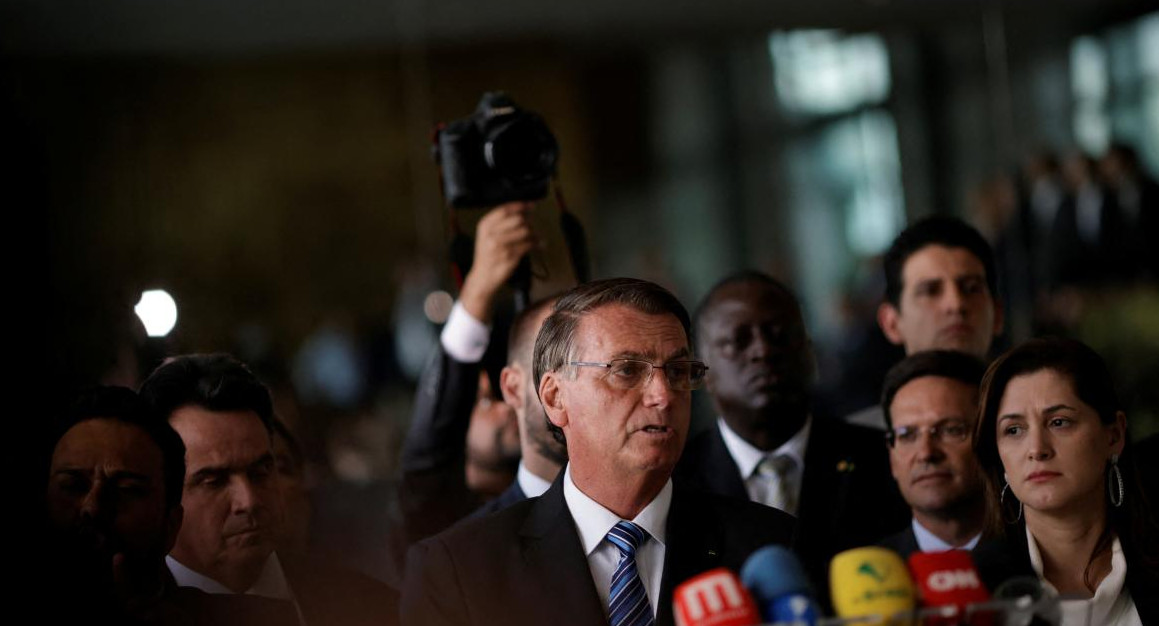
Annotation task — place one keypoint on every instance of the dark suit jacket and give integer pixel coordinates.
(993, 563)
(848, 496)
(525, 565)
(510, 496)
(434, 492)
(330, 595)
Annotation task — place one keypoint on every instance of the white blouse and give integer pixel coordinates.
(1110, 606)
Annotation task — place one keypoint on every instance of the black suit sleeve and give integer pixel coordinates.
(431, 594)
(434, 487)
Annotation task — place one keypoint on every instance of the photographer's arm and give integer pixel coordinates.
(435, 493)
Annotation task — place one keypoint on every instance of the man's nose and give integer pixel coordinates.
(953, 299)
(928, 448)
(91, 505)
(761, 346)
(245, 496)
(657, 390)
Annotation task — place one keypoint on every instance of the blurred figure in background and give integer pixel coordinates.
(113, 503)
(233, 502)
(459, 430)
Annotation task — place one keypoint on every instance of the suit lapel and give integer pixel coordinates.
(723, 476)
(694, 545)
(553, 559)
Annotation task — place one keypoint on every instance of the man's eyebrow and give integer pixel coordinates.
(265, 459)
(649, 356)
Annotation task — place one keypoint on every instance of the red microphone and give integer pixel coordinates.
(948, 581)
(714, 598)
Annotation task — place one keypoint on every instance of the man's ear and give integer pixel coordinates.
(173, 521)
(999, 317)
(511, 386)
(551, 395)
(889, 318)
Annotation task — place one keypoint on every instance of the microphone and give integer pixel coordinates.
(872, 583)
(779, 586)
(714, 598)
(948, 582)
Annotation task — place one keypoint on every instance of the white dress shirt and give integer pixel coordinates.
(464, 338)
(929, 542)
(593, 522)
(271, 583)
(532, 485)
(1111, 605)
(747, 457)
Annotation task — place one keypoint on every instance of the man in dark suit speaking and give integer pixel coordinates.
(611, 537)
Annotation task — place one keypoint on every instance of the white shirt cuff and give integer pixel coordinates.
(464, 338)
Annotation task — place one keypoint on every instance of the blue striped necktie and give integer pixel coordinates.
(628, 602)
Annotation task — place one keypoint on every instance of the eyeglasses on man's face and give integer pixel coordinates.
(682, 375)
(949, 431)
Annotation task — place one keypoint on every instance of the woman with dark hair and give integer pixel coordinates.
(1053, 444)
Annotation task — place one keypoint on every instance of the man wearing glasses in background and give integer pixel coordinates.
(611, 537)
(930, 401)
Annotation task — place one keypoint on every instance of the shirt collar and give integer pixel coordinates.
(748, 456)
(929, 542)
(532, 485)
(593, 521)
(271, 583)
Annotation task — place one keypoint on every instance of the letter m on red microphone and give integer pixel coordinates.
(714, 598)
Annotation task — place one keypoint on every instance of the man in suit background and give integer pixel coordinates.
(930, 401)
(543, 455)
(615, 372)
(941, 293)
(438, 464)
(766, 445)
(113, 504)
(232, 501)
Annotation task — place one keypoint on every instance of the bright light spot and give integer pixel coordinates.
(158, 312)
(437, 306)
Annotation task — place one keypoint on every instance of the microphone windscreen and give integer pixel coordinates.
(774, 571)
(714, 598)
(871, 582)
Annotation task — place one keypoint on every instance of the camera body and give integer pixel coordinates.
(500, 153)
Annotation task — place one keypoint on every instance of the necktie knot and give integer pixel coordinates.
(627, 537)
(779, 465)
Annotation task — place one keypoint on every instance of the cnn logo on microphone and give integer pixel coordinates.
(953, 580)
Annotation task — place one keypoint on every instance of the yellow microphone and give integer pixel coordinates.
(872, 583)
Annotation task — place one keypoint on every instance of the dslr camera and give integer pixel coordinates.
(501, 153)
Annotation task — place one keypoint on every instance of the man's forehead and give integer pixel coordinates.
(936, 261)
(935, 394)
(229, 438)
(110, 444)
(752, 298)
(622, 330)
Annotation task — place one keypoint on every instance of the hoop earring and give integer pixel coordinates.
(1116, 486)
(1002, 502)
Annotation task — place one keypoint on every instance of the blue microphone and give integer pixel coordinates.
(779, 586)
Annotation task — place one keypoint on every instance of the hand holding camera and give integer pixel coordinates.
(502, 238)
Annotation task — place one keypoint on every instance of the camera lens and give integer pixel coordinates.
(522, 150)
